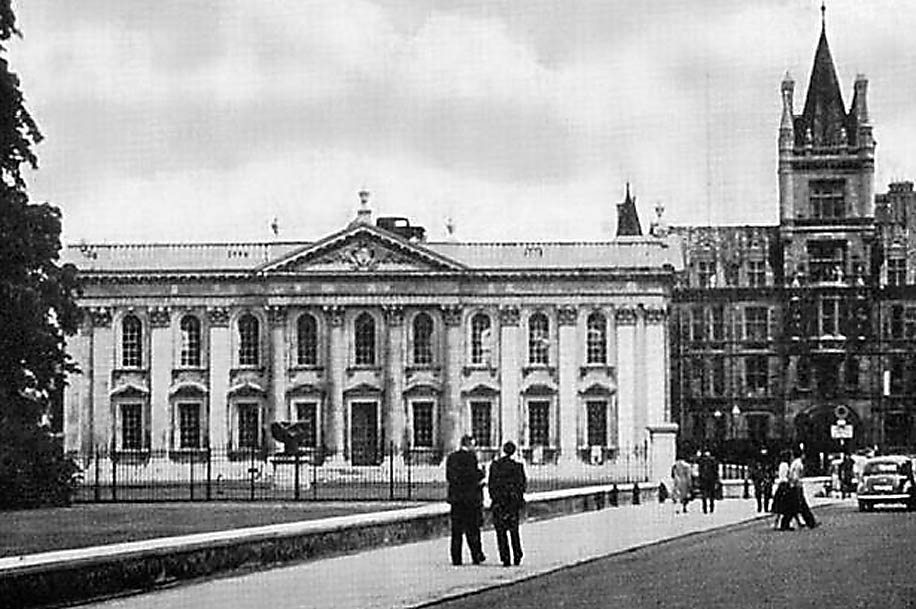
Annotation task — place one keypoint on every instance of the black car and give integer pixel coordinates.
(887, 480)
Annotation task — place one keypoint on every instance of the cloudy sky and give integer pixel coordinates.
(190, 120)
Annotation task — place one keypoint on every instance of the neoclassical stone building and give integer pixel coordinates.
(374, 337)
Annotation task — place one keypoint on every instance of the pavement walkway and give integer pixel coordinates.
(420, 573)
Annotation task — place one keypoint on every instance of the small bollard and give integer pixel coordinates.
(747, 489)
(662, 492)
(613, 496)
(635, 493)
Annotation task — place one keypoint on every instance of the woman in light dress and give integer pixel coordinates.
(681, 484)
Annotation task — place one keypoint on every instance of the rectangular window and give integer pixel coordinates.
(756, 273)
(896, 271)
(698, 324)
(756, 322)
(597, 422)
(307, 417)
(423, 424)
(481, 423)
(755, 374)
(895, 328)
(718, 376)
(851, 373)
(909, 323)
(896, 429)
(249, 426)
(827, 198)
(830, 316)
(717, 322)
(706, 274)
(189, 425)
(131, 426)
(826, 260)
(803, 373)
(539, 423)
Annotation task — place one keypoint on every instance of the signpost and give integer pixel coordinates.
(841, 430)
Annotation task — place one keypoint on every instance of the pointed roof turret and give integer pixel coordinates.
(824, 113)
(627, 217)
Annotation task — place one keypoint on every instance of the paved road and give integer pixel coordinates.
(853, 560)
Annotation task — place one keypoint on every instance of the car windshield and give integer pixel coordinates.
(885, 467)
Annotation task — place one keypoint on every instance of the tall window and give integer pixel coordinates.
(909, 323)
(249, 426)
(538, 339)
(131, 342)
(190, 341)
(364, 331)
(480, 339)
(827, 199)
(481, 423)
(895, 326)
(307, 417)
(755, 374)
(896, 271)
(423, 424)
(830, 316)
(131, 426)
(755, 323)
(539, 423)
(756, 273)
(306, 340)
(698, 324)
(249, 339)
(596, 341)
(422, 339)
(188, 425)
(597, 422)
(851, 374)
(706, 273)
(717, 322)
(717, 370)
(826, 260)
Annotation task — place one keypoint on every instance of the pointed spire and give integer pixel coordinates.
(824, 113)
(627, 217)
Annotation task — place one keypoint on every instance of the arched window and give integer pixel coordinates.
(364, 331)
(307, 341)
(249, 340)
(131, 342)
(190, 341)
(596, 340)
(538, 339)
(480, 339)
(422, 339)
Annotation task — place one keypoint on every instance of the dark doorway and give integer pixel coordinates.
(812, 429)
(364, 433)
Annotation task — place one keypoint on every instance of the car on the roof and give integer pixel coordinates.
(887, 480)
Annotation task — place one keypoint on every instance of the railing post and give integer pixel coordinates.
(114, 476)
(97, 491)
(191, 475)
(209, 472)
(409, 468)
(391, 471)
(316, 457)
(296, 476)
(251, 474)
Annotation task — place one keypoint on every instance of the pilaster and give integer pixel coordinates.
(219, 365)
(509, 374)
(396, 414)
(337, 363)
(278, 406)
(160, 377)
(566, 367)
(78, 393)
(625, 318)
(641, 389)
(450, 420)
(657, 382)
(102, 365)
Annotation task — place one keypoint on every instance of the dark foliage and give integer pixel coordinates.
(36, 310)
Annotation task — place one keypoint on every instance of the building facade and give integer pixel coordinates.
(374, 338)
(803, 332)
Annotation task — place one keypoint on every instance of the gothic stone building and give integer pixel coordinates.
(371, 338)
(782, 332)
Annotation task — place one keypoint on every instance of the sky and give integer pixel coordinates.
(194, 120)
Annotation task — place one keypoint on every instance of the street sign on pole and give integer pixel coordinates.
(841, 430)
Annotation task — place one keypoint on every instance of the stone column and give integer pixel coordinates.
(657, 385)
(625, 318)
(640, 404)
(77, 423)
(510, 374)
(103, 353)
(566, 367)
(160, 365)
(277, 406)
(220, 364)
(662, 450)
(396, 413)
(337, 368)
(450, 428)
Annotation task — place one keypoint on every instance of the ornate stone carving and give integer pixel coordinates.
(159, 317)
(335, 316)
(452, 315)
(656, 315)
(625, 316)
(394, 315)
(276, 315)
(567, 316)
(218, 316)
(100, 316)
(508, 316)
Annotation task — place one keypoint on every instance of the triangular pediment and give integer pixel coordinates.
(361, 248)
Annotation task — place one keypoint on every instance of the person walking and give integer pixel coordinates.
(796, 473)
(465, 495)
(784, 504)
(709, 480)
(682, 483)
(846, 476)
(507, 486)
(761, 475)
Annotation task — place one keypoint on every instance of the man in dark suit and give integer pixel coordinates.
(507, 494)
(465, 494)
(709, 480)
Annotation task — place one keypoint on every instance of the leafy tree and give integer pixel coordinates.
(37, 310)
